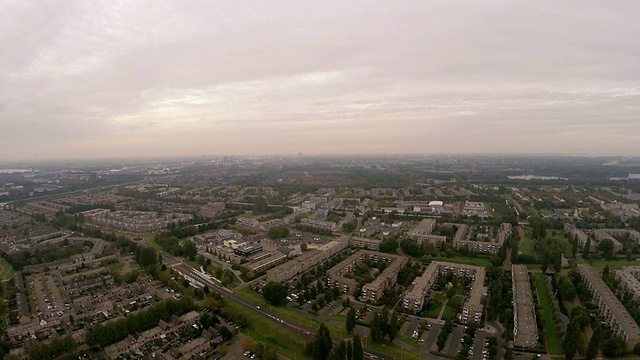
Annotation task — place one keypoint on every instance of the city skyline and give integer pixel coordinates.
(148, 79)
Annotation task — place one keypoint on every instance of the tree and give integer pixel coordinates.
(605, 271)
(322, 344)
(614, 347)
(225, 334)
(303, 247)
(508, 354)
(388, 246)
(394, 325)
(571, 339)
(606, 248)
(278, 232)
(358, 351)
(376, 328)
(587, 246)
(351, 320)
(275, 293)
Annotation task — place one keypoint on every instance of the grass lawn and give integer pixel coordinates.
(152, 242)
(553, 343)
(434, 311)
(439, 296)
(393, 351)
(449, 312)
(410, 341)
(282, 340)
(465, 260)
(339, 317)
(526, 248)
(6, 270)
(613, 264)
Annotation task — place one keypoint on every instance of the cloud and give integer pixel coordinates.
(104, 79)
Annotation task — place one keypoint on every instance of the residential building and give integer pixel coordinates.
(364, 243)
(287, 271)
(525, 329)
(413, 301)
(628, 280)
(613, 313)
(374, 290)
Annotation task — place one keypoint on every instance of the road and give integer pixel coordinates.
(303, 330)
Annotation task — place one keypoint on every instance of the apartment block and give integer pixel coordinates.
(421, 233)
(471, 309)
(364, 243)
(525, 329)
(374, 290)
(634, 235)
(133, 221)
(478, 246)
(335, 276)
(580, 236)
(613, 312)
(287, 271)
(318, 224)
(628, 280)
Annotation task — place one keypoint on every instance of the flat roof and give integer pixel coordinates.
(525, 325)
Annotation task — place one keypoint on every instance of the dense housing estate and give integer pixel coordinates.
(471, 309)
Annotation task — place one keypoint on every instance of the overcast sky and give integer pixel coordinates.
(105, 79)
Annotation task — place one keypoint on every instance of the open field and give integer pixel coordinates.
(553, 343)
(6, 270)
(526, 247)
(393, 350)
(282, 340)
(613, 264)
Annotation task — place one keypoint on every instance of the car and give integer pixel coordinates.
(258, 307)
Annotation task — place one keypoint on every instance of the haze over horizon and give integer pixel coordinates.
(112, 79)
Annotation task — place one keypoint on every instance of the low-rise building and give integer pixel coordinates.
(318, 224)
(267, 263)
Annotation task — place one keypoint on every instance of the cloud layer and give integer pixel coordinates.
(86, 79)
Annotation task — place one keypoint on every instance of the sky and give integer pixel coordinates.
(113, 79)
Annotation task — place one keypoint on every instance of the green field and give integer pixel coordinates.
(393, 350)
(435, 310)
(613, 264)
(526, 248)
(282, 340)
(553, 342)
(410, 341)
(6, 270)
